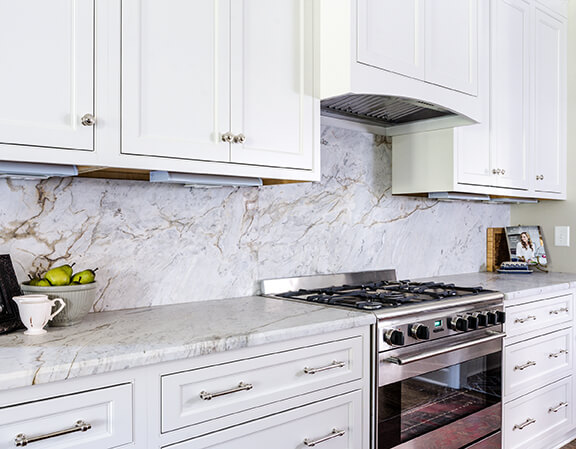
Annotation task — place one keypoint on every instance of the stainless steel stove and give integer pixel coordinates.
(437, 354)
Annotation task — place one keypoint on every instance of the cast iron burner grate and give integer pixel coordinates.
(378, 295)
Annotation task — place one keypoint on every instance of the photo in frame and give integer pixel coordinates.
(526, 244)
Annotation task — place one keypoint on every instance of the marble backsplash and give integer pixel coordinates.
(162, 244)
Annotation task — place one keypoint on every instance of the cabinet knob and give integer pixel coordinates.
(494, 171)
(88, 120)
(503, 171)
(240, 138)
(228, 137)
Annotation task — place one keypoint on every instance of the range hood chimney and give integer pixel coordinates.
(397, 115)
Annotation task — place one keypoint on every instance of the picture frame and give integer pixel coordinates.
(526, 244)
(9, 287)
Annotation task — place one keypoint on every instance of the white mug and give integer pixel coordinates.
(35, 312)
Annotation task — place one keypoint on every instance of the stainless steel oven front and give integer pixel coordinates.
(444, 394)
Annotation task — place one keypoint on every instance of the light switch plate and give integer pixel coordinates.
(562, 235)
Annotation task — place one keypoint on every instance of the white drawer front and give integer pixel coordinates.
(538, 314)
(108, 411)
(536, 362)
(535, 416)
(339, 419)
(195, 396)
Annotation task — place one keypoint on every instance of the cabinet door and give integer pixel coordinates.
(336, 421)
(46, 81)
(452, 44)
(549, 94)
(391, 35)
(273, 102)
(175, 78)
(510, 96)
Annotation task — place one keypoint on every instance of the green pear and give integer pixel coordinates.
(58, 276)
(68, 269)
(42, 283)
(84, 277)
(33, 282)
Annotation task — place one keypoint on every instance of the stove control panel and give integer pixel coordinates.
(420, 330)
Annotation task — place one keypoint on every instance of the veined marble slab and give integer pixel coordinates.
(163, 244)
(112, 341)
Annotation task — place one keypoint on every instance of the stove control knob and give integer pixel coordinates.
(420, 332)
(394, 337)
(492, 317)
(459, 324)
(500, 317)
(482, 318)
(472, 322)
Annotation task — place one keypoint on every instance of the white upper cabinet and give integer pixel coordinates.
(220, 81)
(273, 103)
(176, 78)
(46, 81)
(431, 40)
(451, 50)
(510, 92)
(391, 35)
(549, 99)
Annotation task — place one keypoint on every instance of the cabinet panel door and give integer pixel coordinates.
(510, 84)
(175, 78)
(549, 96)
(337, 419)
(452, 44)
(391, 35)
(46, 80)
(273, 102)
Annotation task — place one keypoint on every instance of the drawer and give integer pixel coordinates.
(538, 315)
(536, 362)
(108, 411)
(530, 419)
(204, 394)
(338, 419)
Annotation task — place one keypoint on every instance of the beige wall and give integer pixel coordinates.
(560, 213)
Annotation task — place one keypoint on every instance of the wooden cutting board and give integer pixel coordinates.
(496, 248)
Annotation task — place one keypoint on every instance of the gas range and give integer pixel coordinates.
(408, 312)
(437, 354)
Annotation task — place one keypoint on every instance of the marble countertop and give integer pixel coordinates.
(513, 285)
(109, 341)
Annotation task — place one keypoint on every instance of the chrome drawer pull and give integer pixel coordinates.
(241, 387)
(333, 365)
(526, 365)
(335, 434)
(557, 354)
(523, 320)
(558, 407)
(556, 312)
(22, 440)
(524, 424)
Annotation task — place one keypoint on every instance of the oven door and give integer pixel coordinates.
(442, 394)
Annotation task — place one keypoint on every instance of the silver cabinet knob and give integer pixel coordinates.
(240, 138)
(503, 171)
(88, 120)
(228, 137)
(494, 171)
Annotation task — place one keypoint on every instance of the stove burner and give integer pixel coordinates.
(377, 295)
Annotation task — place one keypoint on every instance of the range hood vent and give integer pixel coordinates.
(398, 115)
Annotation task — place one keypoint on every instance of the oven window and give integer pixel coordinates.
(422, 404)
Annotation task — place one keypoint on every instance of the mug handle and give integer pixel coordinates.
(63, 304)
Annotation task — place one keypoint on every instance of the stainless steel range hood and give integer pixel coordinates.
(397, 115)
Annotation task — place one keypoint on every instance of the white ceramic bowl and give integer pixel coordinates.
(78, 298)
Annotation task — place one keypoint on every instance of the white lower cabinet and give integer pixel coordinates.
(95, 419)
(315, 389)
(537, 385)
(336, 423)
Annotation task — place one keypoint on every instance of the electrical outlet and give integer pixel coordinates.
(562, 235)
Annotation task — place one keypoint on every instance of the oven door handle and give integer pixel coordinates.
(426, 355)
